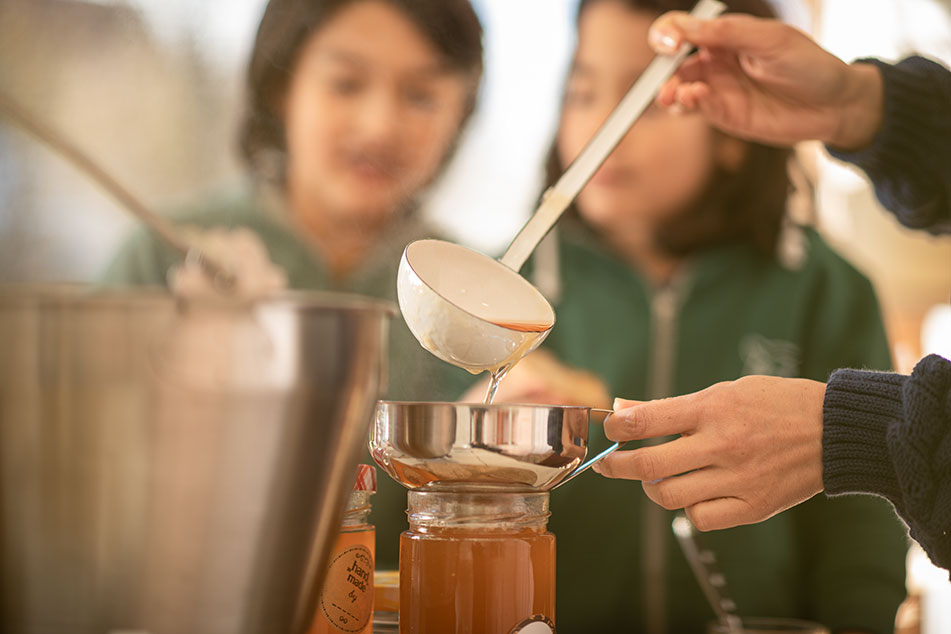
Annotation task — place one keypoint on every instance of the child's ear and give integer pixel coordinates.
(730, 152)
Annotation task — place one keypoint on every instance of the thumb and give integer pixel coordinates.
(622, 403)
(733, 32)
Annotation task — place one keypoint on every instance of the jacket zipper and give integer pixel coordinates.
(665, 305)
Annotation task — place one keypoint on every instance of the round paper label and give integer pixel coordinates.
(347, 597)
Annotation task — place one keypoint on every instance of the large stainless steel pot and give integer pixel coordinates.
(176, 468)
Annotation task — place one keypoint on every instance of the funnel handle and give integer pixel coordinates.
(601, 456)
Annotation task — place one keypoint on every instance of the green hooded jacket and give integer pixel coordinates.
(730, 313)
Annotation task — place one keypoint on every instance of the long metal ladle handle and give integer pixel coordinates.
(712, 582)
(163, 229)
(601, 456)
(631, 107)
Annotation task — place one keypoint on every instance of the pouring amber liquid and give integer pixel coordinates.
(497, 374)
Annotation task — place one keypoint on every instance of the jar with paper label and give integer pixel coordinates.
(477, 559)
(346, 601)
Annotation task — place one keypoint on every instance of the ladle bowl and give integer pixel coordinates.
(469, 309)
(535, 446)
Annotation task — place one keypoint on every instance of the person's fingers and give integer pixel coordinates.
(734, 32)
(667, 95)
(691, 488)
(688, 87)
(691, 96)
(624, 403)
(634, 420)
(691, 70)
(720, 513)
(665, 36)
(656, 462)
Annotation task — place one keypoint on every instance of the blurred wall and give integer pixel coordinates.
(157, 118)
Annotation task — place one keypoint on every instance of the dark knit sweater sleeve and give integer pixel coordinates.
(890, 435)
(909, 161)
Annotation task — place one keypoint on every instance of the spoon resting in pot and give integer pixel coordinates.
(221, 275)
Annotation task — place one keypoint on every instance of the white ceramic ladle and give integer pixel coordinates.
(479, 313)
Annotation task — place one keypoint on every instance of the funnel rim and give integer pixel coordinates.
(485, 406)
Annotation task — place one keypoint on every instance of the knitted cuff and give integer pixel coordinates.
(909, 141)
(856, 412)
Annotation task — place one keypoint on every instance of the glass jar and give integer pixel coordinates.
(346, 601)
(477, 559)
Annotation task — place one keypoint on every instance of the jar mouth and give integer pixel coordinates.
(497, 526)
(486, 508)
(490, 488)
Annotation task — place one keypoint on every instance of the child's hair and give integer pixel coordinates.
(452, 26)
(746, 204)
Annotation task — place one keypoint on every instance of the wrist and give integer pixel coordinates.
(860, 112)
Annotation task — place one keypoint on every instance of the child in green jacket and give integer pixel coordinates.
(679, 270)
(354, 108)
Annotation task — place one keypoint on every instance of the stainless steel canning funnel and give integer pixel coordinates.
(536, 446)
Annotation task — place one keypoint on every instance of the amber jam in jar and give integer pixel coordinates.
(476, 559)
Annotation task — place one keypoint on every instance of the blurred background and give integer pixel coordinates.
(152, 89)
